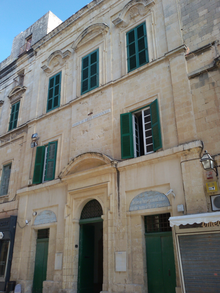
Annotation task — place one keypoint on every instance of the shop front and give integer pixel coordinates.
(198, 238)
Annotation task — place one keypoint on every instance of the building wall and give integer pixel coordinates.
(182, 74)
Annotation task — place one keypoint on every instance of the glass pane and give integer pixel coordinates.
(14, 124)
(148, 133)
(94, 58)
(49, 104)
(57, 79)
(147, 112)
(141, 44)
(55, 102)
(50, 169)
(4, 247)
(17, 106)
(93, 81)
(147, 119)
(12, 116)
(13, 109)
(149, 140)
(93, 69)
(85, 73)
(147, 125)
(16, 115)
(149, 148)
(140, 31)
(85, 62)
(56, 90)
(131, 50)
(131, 37)
(85, 85)
(142, 57)
(51, 153)
(51, 82)
(50, 93)
(132, 62)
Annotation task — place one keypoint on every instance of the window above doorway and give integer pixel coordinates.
(140, 131)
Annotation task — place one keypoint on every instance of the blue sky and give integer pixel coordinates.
(18, 15)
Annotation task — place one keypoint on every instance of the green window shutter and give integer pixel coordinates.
(155, 122)
(5, 179)
(90, 72)
(14, 116)
(51, 161)
(53, 100)
(137, 48)
(39, 165)
(127, 146)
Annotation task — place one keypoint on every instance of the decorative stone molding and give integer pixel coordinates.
(90, 33)
(45, 217)
(85, 161)
(16, 93)
(56, 58)
(149, 200)
(131, 10)
(1, 103)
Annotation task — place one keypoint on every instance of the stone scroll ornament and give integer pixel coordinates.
(149, 200)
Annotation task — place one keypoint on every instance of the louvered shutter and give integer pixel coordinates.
(137, 48)
(51, 161)
(14, 116)
(127, 146)
(39, 164)
(53, 100)
(90, 72)
(155, 122)
(5, 179)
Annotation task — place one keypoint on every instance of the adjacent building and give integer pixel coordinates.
(104, 119)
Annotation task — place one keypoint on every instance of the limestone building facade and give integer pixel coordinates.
(104, 119)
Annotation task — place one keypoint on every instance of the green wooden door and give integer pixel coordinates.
(40, 271)
(160, 263)
(86, 259)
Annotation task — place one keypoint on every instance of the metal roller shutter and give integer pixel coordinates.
(200, 258)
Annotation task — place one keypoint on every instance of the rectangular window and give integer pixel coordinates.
(137, 49)
(5, 179)
(45, 163)
(53, 100)
(140, 132)
(14, 116)
(90, 72)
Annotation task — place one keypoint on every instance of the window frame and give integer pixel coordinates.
(128, 148)
(136, 39)
(53, 89)
(12, 119)
(89, 74)
(2, 178)
(41, 163)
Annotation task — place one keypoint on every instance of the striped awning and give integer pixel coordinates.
(195, 219)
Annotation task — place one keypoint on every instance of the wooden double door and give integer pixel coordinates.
(160, 262)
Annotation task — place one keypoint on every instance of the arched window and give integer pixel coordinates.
(92, 209)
